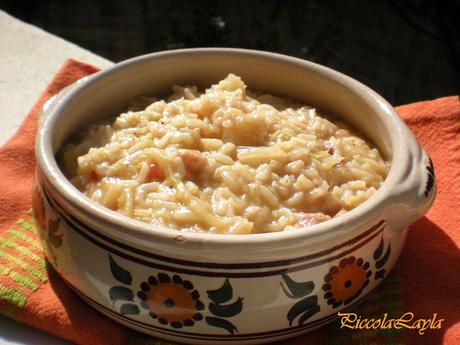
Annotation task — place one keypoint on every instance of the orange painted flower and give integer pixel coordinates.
(171, 301)
(346, 281)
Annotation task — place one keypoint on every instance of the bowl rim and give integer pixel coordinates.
(122, 225)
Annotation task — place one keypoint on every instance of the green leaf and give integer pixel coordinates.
(221, 323)
(54, 237)
(129, 309)
(56, 241)
(53, 225)
(118, 293)
(298, 290)
(378, 252)
(308, 314)
(301, 307)
(222, 294)
(119, 273)
(227, 310)
(379, 264)
(380, 274)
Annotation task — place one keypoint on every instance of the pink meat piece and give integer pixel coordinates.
(194, 161)
(307, 219)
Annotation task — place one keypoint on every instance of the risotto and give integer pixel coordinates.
(227, 161)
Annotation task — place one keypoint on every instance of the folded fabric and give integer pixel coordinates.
(425, 282)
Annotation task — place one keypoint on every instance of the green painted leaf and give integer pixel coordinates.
(119, 273)
(308, 314)
(222, 294)
(228, 310)
(301, 307)
(55, 241)
(122, 293)
(129, 309)
(380, 274)
(221, 323)
(430, 179)
(53, 225)
(54, 237)
(379, 264)
(378, 252)
(298, 290)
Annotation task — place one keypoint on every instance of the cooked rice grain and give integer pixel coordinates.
(224, 161)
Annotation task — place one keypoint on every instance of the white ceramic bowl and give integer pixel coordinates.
(208, 288)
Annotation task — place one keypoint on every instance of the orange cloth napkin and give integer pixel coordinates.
(426, 281)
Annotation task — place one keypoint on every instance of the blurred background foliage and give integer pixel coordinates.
(406, 50)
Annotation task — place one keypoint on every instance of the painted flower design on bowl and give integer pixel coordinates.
(346, 281)
(172, 301)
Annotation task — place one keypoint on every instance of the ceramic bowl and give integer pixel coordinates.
(208, 288)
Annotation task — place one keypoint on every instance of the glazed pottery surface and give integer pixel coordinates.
(207, 288)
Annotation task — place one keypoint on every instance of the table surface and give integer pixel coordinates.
(29, 58)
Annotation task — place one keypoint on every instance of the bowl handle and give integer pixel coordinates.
(416, 188)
